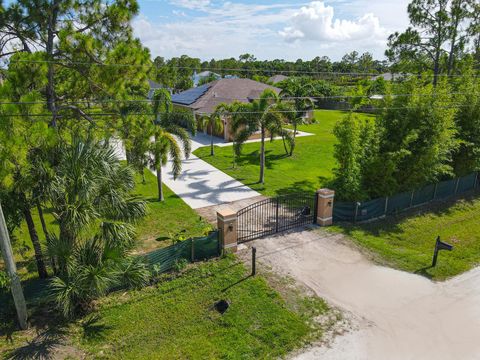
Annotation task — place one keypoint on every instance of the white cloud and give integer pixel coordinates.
(191, 4)
(284, 31)
(316, 22)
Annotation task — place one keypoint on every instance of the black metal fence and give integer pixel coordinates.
(377, 208)
(273, 215)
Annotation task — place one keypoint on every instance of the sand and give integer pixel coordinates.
(398, 315)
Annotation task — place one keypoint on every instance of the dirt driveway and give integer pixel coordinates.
(398, 315)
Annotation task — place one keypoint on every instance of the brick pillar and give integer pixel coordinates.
(325, 207)
(227, 229)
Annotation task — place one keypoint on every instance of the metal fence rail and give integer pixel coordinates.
(193, 249)
(273, 215)
(377, 208)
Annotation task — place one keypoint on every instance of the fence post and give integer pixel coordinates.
(324, 207)
(276, 214)
(386, 206)
(254, 260)
(357, 204)
(227, 229)
(193, 250)
(456, 186)
(411, 199)
(435, 191)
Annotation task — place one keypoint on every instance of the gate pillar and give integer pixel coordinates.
(325, 207)
(227, 229)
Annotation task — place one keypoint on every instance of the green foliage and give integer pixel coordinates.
(348, 153)
(4, 280)
(91, 191)
(467, 120)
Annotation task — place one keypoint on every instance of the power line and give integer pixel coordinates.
(335, 73)
(332, 97)
(223, 113)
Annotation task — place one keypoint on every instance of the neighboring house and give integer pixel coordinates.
(204, 99)
(277, 78)
(154, 86)
(390, 76)
(203, 75)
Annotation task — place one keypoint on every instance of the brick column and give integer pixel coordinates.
(227, 229)
(325, 207)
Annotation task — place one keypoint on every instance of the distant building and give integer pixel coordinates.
(204, 75)
(277, 78)
(205, 98)
(390, 76)
(154, 86)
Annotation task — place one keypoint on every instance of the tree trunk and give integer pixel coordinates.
(15, 285)
(262, 158)
(159, 183)
(42, 270)
(50, 91)
(211, 145)
(42, 220)
(144, 180)
(292, 147)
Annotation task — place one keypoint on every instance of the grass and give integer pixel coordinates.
(165, 219)
(175, 319)
(309, 169)
(406, 242)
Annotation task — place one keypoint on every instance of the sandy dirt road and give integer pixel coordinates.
(397, 315)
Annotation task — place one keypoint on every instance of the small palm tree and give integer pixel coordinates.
(297, 94)
(169, 136)
(91, 201)
(214, 122)
(266, 115)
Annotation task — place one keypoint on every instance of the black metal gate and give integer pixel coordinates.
(274, 215)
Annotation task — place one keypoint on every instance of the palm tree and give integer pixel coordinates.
(267, 115)
(169, 136)
(214, 122)
(299, 93)
(91, 201)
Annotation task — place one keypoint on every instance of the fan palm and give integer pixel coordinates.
(265, 115)
(169, 136)
(298, 94)
(91, 201)
(214, 122)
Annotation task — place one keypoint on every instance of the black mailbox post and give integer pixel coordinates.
(440, 245)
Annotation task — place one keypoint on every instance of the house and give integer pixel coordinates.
(204, 75)
(154, 86)
(205, 98)
(390, 76)
(277, 78)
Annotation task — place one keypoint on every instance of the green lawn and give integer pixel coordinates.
(175, 319)
(406, 242)
(308, 169)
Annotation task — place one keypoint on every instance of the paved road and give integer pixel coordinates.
(399, 315)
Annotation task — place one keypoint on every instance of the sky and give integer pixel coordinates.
(268, 29)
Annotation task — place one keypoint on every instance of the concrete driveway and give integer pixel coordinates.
(398, 315)
(201, 184)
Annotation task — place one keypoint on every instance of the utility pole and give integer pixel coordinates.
(16, 287)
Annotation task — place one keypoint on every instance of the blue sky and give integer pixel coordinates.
(268, 29)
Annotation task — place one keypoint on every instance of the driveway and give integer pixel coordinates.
(398, 315)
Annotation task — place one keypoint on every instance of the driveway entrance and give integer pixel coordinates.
(399, 315)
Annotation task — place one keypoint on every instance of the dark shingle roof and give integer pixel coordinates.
(205, 98)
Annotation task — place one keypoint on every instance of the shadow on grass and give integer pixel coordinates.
(392, 224)
(423, 272)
